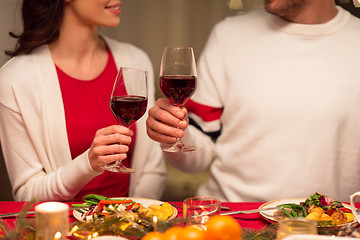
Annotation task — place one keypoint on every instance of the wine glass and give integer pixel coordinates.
(178, 83)
(128, 103)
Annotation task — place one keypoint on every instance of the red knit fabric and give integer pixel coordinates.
(86, 105)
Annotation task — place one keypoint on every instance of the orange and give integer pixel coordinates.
(191, 233)
(154, 236)
(222, 227)
(173, 233)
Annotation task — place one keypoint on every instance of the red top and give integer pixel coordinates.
(87, 109)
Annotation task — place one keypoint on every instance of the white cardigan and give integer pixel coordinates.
(34, 138)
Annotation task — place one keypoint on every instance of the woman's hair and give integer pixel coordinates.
(41, 21)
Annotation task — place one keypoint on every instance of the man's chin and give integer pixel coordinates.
(270, 6)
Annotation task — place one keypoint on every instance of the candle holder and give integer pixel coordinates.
(52, 220)
(198, 210)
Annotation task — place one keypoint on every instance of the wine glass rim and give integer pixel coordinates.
(178, 48)
(133, 69)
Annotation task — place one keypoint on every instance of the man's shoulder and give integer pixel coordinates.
(243, 20)
(256, 14)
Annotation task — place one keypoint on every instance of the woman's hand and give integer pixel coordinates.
(163, 122)
(110, 144)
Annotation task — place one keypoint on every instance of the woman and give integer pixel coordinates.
(56, 128)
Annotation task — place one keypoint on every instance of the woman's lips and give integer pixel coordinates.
(114, 8)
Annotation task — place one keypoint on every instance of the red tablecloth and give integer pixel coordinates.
(254, 220)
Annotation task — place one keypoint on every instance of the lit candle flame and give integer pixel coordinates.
(155, 219)
(57, 235)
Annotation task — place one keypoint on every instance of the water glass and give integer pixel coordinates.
(353, 199)
(198, 210)
(296, 226)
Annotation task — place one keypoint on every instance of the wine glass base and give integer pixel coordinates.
(118, 168)
(179, 148)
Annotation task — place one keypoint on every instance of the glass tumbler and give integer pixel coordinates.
(296, 226)
(198, 210)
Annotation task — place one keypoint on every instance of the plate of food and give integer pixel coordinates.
(272, 215)
(318, 207)
(97, 206)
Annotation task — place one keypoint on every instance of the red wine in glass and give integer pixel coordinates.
(128, 103)
(177, 82)
(128, 109)
(178, 88)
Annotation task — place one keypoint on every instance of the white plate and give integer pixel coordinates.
(316, 237)
(110, 238)
(144, 201)
(269, 215)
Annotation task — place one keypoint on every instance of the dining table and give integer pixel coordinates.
(253, 220)
(250, 221)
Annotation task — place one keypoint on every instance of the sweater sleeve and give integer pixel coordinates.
(27, 174)
(38, 167)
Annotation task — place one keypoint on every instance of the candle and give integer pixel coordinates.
(155, 220)
(52, 220)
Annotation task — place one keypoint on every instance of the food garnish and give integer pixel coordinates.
(320, 208)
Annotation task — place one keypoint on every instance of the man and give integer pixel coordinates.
(277, 108)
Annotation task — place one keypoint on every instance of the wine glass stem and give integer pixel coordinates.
(179, 140)
(118, 166)
(121, 164)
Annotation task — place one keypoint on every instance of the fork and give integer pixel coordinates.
(222, 207)
(249, 211)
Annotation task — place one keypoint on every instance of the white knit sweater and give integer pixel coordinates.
(290, 95)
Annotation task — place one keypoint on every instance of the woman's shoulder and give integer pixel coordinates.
(22, 72)
(16, 63)
(22, 65)
(16, 69)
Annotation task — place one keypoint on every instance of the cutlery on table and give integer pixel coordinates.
(249, 211)
(222, 207)
(239, 212)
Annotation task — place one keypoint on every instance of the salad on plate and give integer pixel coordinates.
(97, 206)
(318, 207)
